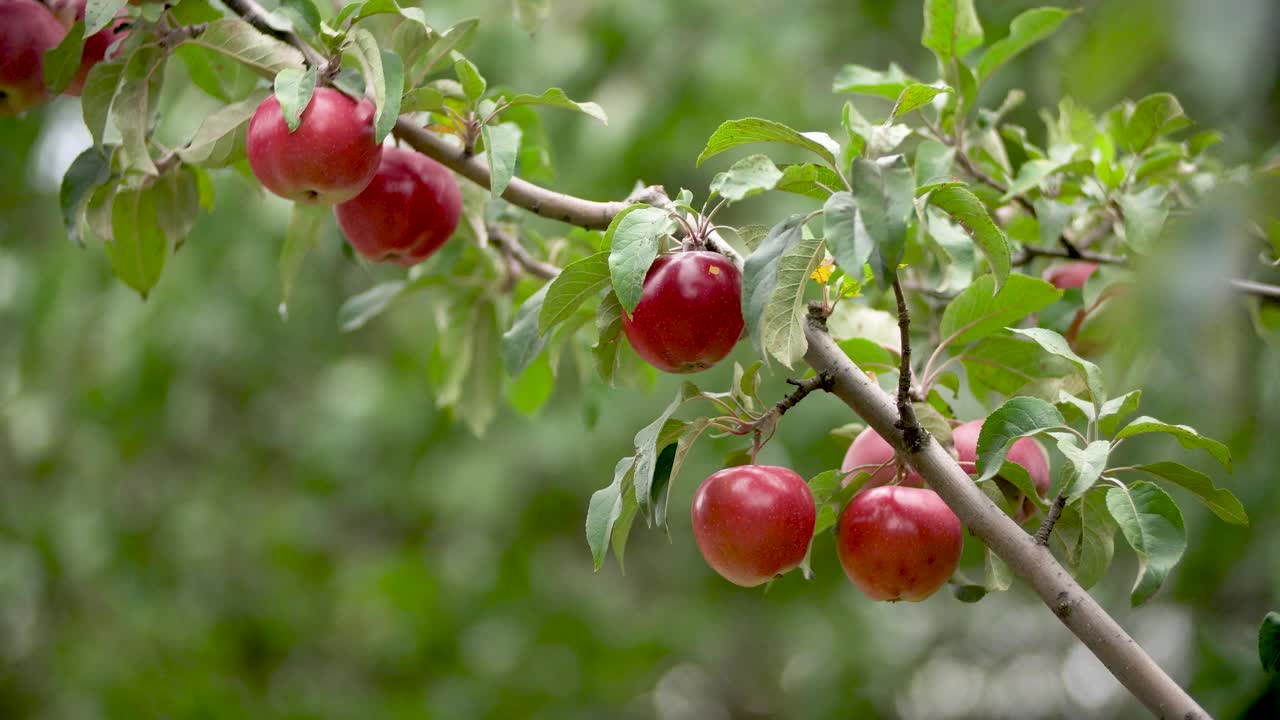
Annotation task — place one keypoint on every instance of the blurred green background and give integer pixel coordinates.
(206, 512)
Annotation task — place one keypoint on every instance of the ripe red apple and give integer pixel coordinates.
(870, 449)
(27, 30)
(753, 522)
(406, 213)
(690, 313)
(329, 159)
(1069, 275)
(1026, 452)
(898, 543)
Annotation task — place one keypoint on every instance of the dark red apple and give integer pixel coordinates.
(1026, 452)
(329, 159)
(1069, 275)
(690, 313)
(868, 451)
(898, 543)
(27, 31)
(406, 213)
(753, 522)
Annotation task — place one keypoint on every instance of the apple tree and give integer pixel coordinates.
(945, 261)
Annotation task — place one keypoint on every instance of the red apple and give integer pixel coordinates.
(898, 543)
(1069, 275)
(329, 159)
(870, 449)
(690, 313)
(27, 31)
(1026, 452)
(406, 213)
(753, 522)
(95, 46)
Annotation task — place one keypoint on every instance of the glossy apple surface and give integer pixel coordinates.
(329, 159)
(868, 451)
(898, 543)
(1027, 452)
(690, 314)
(27, 31)
(409, 209)
(753, 522)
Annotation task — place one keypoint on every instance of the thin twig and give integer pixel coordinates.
(913, 435)
(510, 245)
(821, 381)
(1051, 519)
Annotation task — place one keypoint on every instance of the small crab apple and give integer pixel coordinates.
(753, 522)
(690, 313)
(1068, 276)
(329, 159)
(868, 452)
(407, 212)
(898, 543)
(27, 31)
(1026, 452)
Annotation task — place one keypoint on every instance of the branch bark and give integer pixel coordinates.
(1077, 610)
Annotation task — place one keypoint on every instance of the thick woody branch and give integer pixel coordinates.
(1074, 607)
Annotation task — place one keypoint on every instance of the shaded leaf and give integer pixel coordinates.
(1150, 520)
(633, 245)
(1016, 418)
(555, 97)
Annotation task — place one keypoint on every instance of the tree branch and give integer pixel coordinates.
(821, 381)
(1051, 519)
(510, 246)
(913, 435)
(1248, 287)
(1074, 607)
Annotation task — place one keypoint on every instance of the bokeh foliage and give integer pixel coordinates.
(208, 512)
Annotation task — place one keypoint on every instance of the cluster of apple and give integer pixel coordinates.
(896, 539)
(392, 204)
(28, 29)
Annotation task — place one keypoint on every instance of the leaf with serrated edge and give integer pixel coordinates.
(240, 41)
(1117, 409)
(647, 440)
(951, 28)
(360, 309)
(522, 343)
(1087, 463)
(760, 275)
(965, 208)
(1026, 30)
(1219, 500)
(1017, 417)
(1185, 434)
(782, 322)
(750, 130)
(634, 245)
(980, 311)
(1085, 538)
(555, 97)
(293, 89)
(749, 176)
(502, 148)
(221, 135)
(1056, 344)
(1150, 520)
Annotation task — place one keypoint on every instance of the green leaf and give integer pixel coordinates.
(1085, 537)
(522, 343)
(965, 208)
(951, 28)
(138, 245)
(132, 108)
(1269, 642)
(555, 97)
(606, 507)
(1117, 409)
(1033, 173)
(220, 139)
(529, 392)
(914, 96)
(1150, 520)
(99, 92)
(733, 133)
(360, 309)
(1087, 463)
(1185, 434)
(242, 42)
(815, 181)
(760, 275)
(389, 7)
(473, 83)
(1219, 500)
(476, 401)
(421, 100)
(1056, 344)
(501, 148)
(1006, 364)
(652, 438)
(933, 162)
(783, 319)
(384, 75)
(99, 13)
(690, 434)
(61, 62)
(1154, 116)
(749, 176)
(978, 311)
(633, 246)
(1026, 30)
(578, 281)
(90, 169)
(1016, 418)
(859, 80)
(608, 346)
(846, 236)
(305, 225)
(302, 14)
(293, 89)
(1144, 216)
(997, 575)
(178, 203)
(457, 37)
(884, 192)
